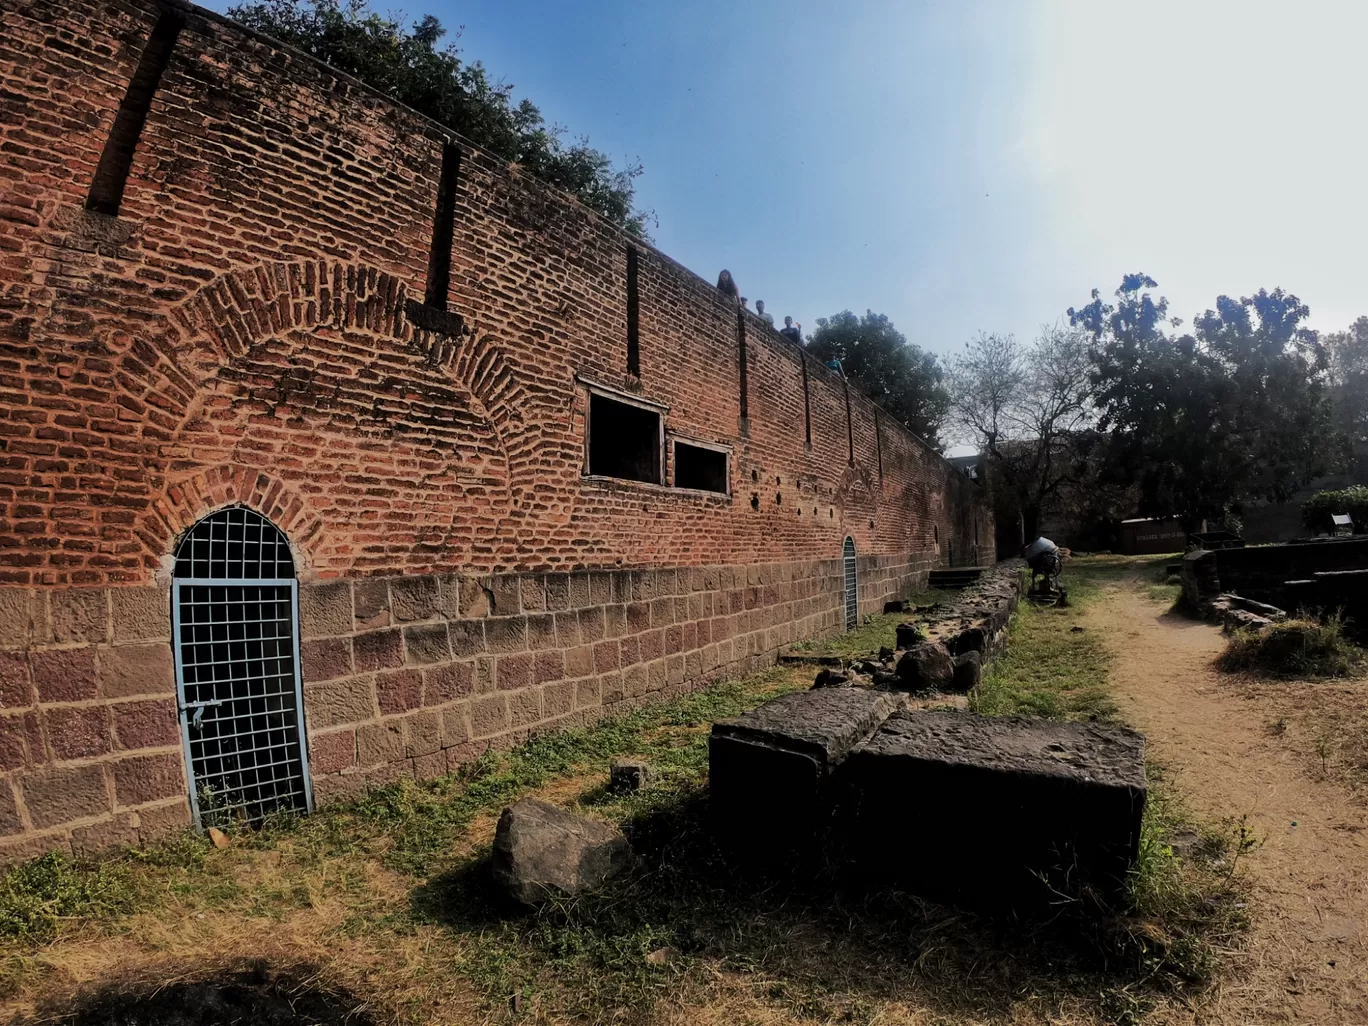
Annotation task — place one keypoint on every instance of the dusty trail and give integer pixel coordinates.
(1307, 957)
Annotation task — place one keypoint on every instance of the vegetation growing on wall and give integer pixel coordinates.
(413, 68)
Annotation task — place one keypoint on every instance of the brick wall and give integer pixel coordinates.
(250, 328)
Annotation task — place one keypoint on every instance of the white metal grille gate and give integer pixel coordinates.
(235, 604)
(852, 604)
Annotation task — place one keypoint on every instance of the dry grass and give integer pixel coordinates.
(387, 901)
(1293, 648)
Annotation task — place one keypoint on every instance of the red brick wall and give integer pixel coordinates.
(241, 332)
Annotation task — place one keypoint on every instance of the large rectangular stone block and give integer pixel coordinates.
(769, 771)
(988, 811)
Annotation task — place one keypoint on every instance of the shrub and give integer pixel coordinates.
(1293, 648)
(1317, 510)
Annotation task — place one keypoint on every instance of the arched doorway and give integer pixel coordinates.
(851, 585)
(235, 628)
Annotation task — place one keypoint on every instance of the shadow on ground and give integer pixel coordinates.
(224, 996)
(821, 945)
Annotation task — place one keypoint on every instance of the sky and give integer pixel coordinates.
(968, 166)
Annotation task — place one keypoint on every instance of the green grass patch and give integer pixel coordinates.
(876, 632)
(1054, 666)
(409, 826)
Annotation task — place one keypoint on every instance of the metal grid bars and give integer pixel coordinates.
(237, 673)
(852, 604)
(235, 544)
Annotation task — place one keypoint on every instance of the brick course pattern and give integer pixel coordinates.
(250, 328)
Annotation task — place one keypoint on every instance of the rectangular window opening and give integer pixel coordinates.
(700, 467)
(624, 440)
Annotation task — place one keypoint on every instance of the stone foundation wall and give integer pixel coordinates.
(403, 676)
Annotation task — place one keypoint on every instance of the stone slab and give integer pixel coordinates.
(769, 770)
(995, 811)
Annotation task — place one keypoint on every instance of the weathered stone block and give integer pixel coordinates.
(371, 604)
(398, 691)
(58, 795)
(78, 615)
(442, 684)
(146, 778)
(542, 852)
(416, 597)
(378, 743)
(10, 820)
(64, 675)
(128, 670)
(325, 610)
(427, 644)
(331, 753)
(339, 702)
(325, 658)
(994, 811)
(80, 732)
(377, 650)
(769, 770)
(140, 614)
(16, 685)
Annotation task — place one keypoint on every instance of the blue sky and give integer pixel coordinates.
(966, 166)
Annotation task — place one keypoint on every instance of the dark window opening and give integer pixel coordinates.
(624, 440)
(700, 468)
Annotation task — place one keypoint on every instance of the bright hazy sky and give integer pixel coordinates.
(966, 166)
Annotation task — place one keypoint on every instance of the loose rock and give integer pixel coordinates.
(829, 678)
(630, 775)
(909, 634)
(925, 666)
(968, 671)
(541, 851)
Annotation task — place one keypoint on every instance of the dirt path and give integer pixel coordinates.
(1307, 957)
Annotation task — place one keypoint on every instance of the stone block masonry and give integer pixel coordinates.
(233, 295)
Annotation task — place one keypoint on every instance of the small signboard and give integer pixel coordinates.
(1343, 523)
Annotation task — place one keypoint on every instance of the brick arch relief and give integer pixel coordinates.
(403, 444)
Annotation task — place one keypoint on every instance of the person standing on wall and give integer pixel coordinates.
(792, 332)
(760, 312)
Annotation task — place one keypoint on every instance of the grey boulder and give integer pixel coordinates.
(927, 666)
(541, 852)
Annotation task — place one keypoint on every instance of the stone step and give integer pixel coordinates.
(954, 579)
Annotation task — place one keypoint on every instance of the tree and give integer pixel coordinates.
(1029, 410)
(410, 67)
(1348, 378)
(1202, 421)
(907, 381)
